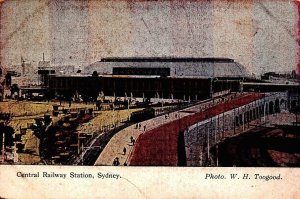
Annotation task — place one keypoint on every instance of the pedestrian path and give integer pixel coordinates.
(114, 148)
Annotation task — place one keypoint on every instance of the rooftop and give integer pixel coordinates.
(165, 59)
(187, 66)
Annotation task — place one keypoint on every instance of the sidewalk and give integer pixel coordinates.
(115, 146)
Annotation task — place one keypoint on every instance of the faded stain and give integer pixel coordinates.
(297, 32)
(258, 34)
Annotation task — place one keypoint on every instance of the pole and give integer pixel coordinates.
(219, 125)
(211, 88)
(265, 112)
(248, 116)
(223, 124)
(207, 134)
(78, 143)
(214, 132)
(3, 146)
(113, 115)
(243, 120)
(217, 152)
(82, 154)
(234, 120)
(256, 112)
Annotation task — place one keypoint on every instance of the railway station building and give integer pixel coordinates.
(155, 77)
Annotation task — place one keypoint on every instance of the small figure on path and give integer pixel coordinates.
(131, 139)
(116, 162)
(124, 151)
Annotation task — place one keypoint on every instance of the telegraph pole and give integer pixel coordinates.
(265, 111)
(207, 134)
(248, 115)
(3, 146)
(234, 120)
(243, 114)
(82, 154)
(113, 114)
(215, 133)
(217, 154)
(78, 143)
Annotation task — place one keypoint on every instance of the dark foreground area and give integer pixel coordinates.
(260, 147)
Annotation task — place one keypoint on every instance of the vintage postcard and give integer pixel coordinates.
(149, 98)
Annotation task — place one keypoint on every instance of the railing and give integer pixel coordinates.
(92, 148)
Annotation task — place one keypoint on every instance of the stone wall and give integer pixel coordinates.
(201, 136)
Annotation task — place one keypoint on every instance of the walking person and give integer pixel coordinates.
(117, 161)
(124, 151)
(145, 128)
(131, 139)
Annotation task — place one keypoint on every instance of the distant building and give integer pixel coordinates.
(172, 78)
(199, 67)
(44, 70)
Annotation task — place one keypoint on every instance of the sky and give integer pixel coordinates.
(261, 35)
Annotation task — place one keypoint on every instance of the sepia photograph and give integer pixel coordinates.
(149, 84)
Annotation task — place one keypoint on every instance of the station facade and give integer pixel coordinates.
(165, 78)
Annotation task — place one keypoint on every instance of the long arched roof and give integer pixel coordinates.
(196, 67)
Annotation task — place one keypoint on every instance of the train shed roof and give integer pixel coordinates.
(201, 67)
